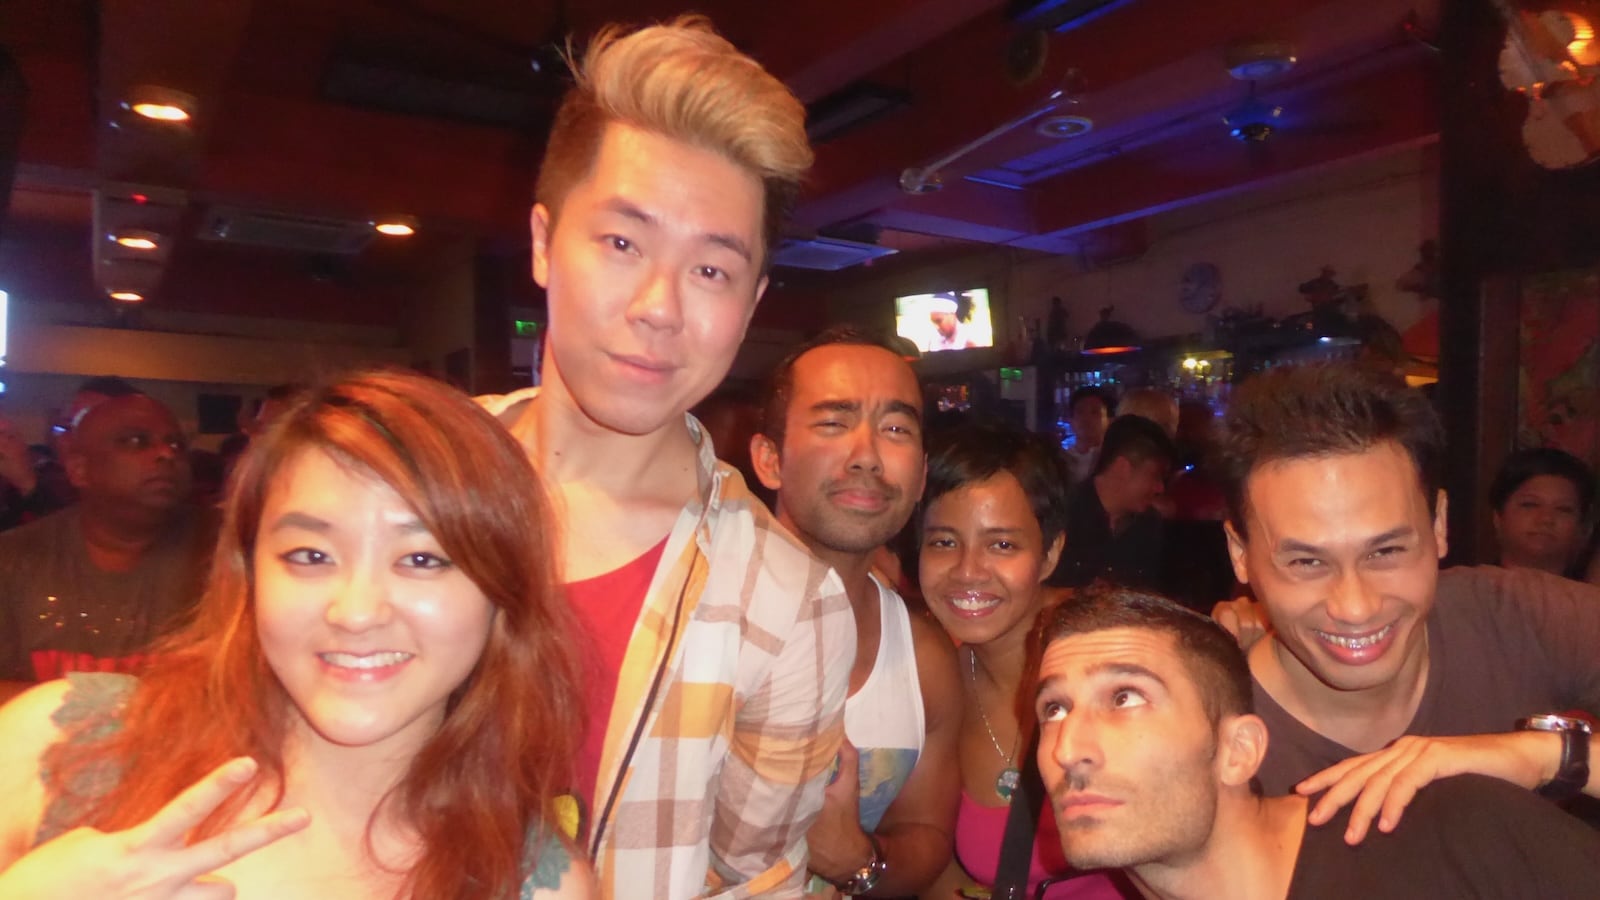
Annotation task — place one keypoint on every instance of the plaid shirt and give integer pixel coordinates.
(745, 642)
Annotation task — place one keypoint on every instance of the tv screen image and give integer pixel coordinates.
(947, 320)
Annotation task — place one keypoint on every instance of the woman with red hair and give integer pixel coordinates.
(376, 697)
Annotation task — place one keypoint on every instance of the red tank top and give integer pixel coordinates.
(608, 606)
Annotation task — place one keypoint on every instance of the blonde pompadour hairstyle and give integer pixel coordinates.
(684, 81)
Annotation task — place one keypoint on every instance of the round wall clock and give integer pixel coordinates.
(1201, 288)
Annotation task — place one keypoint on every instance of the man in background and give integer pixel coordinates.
(1114, 531)
(1089, 409)
(89, 587)
(841, 443)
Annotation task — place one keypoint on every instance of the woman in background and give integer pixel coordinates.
(1543, 499)
(376, 698)
(993, 520)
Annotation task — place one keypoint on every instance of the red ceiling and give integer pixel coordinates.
(1152, 74)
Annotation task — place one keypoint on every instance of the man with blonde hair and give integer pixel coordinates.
(720, 647)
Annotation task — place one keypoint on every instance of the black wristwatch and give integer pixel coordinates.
(871, 872)
(1572, 776)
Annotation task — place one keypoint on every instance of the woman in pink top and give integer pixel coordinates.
(994, 513)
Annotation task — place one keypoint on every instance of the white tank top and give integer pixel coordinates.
(884, 720)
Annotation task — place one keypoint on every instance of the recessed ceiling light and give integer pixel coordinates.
(396, 226)
(160, 104)
(137, 239)
(162, 112)
(1063, 127)
(127, 296)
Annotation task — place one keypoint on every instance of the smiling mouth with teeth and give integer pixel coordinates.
(1357, 643)
(972, 604)
(364, 661)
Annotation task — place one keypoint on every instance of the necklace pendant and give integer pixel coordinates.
(1006, 784)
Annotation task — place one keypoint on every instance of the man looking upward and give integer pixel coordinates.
(1148, 748)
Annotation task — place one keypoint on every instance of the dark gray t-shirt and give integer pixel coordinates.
(1502, 644)
(1468, 836)
(59, 613)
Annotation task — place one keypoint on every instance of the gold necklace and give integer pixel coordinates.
(1006, 784)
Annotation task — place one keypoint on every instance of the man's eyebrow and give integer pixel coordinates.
(733, 243)
(904, 408)
(1289, 545)
(629, 210)
(847, 406)
(1126, 669)
(1046, 683)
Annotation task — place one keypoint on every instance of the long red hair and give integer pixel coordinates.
(505, 750)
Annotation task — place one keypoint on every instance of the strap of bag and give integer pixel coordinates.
(1016, 845)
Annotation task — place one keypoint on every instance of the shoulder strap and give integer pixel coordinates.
(1016, 845)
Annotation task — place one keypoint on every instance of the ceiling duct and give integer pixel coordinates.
(826, 254)
(851, 107)
(307, 234)
(393, 88)
(1059, 15)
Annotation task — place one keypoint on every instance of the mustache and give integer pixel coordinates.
(1073, 782)
(865, 483)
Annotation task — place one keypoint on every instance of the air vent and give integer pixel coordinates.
(306, 234)
(827, 254)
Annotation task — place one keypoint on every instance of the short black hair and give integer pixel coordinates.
(1535, 461)
(780, 384)
(969, 453)
(1137, 440)
(1209, 653)
(286, 391)
(1325, 409)
(1104, 396)
(108, 386)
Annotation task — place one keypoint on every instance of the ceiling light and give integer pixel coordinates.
(396, 226)
(1254, 120)
(137, 239)
(1063, 127)
(161, 112)
(160, 104)
(1257, 60)
(127, 296)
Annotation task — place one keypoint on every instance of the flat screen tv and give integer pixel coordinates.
(947, 320)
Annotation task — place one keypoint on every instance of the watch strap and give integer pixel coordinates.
(871, 872)
(1572, 776)
(1572, 773)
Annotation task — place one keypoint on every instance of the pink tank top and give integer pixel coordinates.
(979, 830)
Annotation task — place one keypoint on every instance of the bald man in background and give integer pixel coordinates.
(89, 587)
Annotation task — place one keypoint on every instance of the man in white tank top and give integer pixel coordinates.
(841, 444)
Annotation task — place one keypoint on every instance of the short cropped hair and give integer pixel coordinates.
(1321, 410)
(969, 453)
(683, 81)
(780, 384)
(108, 386)
(1535, 461)
(1209, 653)
(1155, 404)
(1136, 439)
(1087, 391)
